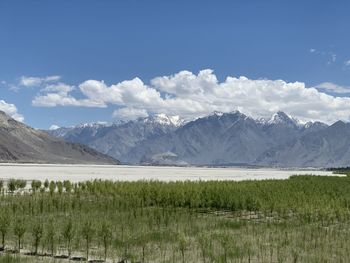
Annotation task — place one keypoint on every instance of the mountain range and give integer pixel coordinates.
(219, 139)
(21, 143)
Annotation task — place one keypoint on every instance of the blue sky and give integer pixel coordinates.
(93, 45)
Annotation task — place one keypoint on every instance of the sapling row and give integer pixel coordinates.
(303, 219)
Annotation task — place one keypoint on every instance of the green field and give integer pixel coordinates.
(302, 219)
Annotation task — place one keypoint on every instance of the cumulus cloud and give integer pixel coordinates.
(332, 87)
(11, 110)
(347, 62)
(37, 81)
(62, 99)
(58, 95)
(194, 95)
(129, 113)
(59, 88)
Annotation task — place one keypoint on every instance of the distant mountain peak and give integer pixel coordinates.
(282, 118)
(164, 119)
(220, 113)
(220, 138)
(54, 127)
(241, 115)
(311, 124)
(94, 124)
(217, 113)
(338, 124)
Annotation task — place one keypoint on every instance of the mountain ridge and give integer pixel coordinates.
(21, 143)
(223, 138)
(117, 138)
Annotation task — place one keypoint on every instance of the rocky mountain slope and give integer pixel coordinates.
(328, 147)
(228, 139)
(118, 139)
(20, 143)
(223, 139)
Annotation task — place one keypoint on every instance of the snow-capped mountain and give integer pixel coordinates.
(221, 139)
(228, 139)
(281, 118)
(165, 120)
(92, 126)
(116, 139)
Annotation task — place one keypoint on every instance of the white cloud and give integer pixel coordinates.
(129, 113)
(347, 62)
(332, 58)
(10, 86)
(58, 95)
(99, 92)
(331, 87)
(37, 81)
(193, 95)
(62, 99)
(11, 110)
(59, 88)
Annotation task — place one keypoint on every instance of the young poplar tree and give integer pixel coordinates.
(37, 233)
(46, 184)
(59, 187)
(51, 236)
(52, 187)
(12, 186)
(183, 244)
(87, 232)
(4, 226)
(1, 186)
(19, 231)
(105, 234)
(67, 186)
(35, 185)
(204, 245)
(68, 234)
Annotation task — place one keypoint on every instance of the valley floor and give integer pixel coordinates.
(79, 173)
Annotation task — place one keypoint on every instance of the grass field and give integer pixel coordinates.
(302, 219)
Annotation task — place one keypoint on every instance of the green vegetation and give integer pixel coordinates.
(15, 184)
(303, 219)
(340, 170)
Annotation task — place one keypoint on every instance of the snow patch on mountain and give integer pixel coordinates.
(283, 119)
(164, 119)
(217, 139)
